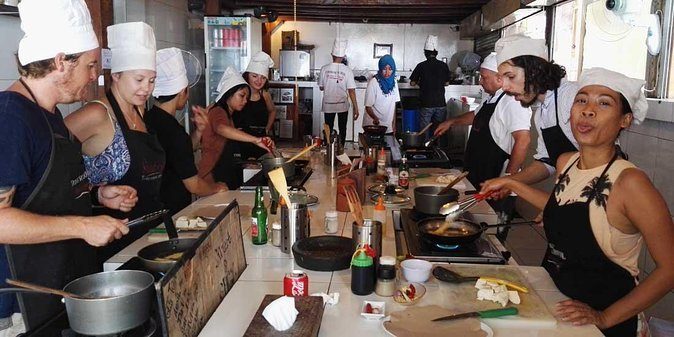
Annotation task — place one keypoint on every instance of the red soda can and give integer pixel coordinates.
(296, 283)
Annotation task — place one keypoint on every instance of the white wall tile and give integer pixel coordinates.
(661, 110)
(663, 170)
(666, 131)
(648, 127)
(642, 151)
(9, 40)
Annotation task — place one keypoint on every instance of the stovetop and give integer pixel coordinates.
(479, 251)
(302, 174)
(147, 329)
(416, 157)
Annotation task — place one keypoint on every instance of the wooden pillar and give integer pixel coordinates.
(212, 7)
(267, 29)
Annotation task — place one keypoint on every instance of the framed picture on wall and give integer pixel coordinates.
(382, 49)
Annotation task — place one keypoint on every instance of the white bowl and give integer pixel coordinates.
(381, 306)
(415, 270)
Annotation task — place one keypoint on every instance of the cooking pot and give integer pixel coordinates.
(116, 301)
(427, 200)
(270, 162)
(461, 231)
(413, 139)
(323, 253)
(153, 256)
(374, 129)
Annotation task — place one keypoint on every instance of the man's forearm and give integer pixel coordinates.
(196, 139)
(21, 227)
(370, 112)
(463, 119)
(534, 173)
(519, 151)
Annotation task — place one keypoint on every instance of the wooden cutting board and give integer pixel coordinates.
(533, 313)
(432, 179)
(307, 324)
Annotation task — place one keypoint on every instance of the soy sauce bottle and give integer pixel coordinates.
(362, 273)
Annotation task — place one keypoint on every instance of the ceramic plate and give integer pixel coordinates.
(483, 326)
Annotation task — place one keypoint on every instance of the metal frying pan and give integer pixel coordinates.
(461, 231)
(161, 256)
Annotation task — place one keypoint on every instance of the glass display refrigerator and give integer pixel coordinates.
(229, 42)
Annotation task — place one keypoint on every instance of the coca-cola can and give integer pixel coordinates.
(296, 283)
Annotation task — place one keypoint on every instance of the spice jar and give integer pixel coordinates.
(331, 222)
(386, 277)
(276, 234)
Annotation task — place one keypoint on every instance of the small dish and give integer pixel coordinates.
(419, 292)
(378, 307)
(416, 270)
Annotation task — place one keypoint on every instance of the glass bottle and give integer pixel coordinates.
(258, 230)
(404, 174)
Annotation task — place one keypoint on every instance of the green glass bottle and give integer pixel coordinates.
(258, 229)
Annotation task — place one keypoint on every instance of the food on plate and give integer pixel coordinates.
(495, 292)
(184, 222)
(409, 293)
(508, 284)
(171, 257)
(445, 178)
(369, 309)
(373, 310)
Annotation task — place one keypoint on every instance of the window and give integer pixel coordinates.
(566, 38)
(533, 26)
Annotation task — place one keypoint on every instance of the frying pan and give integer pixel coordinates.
(269, 162)
(413, 139)
(461, 231)
(375, 129)
(151, 256)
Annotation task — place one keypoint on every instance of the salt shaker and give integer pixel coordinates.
(331, 222)
(276, 234)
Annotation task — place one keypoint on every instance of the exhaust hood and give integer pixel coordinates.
(501, 13)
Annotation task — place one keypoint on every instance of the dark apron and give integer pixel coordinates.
(555, 140)
(228, 168)
(62, 190)
(484, 158)
(577, 264)
(144, 174)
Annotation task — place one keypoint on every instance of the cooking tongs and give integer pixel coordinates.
(146, 218)
(455, 208)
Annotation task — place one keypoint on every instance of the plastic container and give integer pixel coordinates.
(331, 222)
(410, 120)
(379, 214)
(415, 270)
(362, 273)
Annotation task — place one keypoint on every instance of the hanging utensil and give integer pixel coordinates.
(278, 179)
(146, 218)
(45, 290)
(453, 182)
(425, 128)
(299, 154)
(481, 314)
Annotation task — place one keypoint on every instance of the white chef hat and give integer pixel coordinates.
(629, 87)
(519, 45)
(229, 80)
(260, 64)
(339, 47)
(489, 62)
(171, 72)
(133, 46)
(54, 26)
(431, 43)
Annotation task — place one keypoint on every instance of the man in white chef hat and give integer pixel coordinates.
(45, 201)
(171, 91)
(499, 137)
(432, 76)
(531, 79)
(337, 83)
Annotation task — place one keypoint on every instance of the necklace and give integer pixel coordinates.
(132, 120)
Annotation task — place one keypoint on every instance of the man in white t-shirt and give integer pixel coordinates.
(336, 81)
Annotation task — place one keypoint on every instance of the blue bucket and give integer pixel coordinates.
(410, 121)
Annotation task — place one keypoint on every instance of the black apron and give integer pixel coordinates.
(555, 140)
(484, 158)
(147, 165)
(62, 190)
(578, 266)
(228, 168)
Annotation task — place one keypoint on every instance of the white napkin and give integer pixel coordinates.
(332, 298)
(281, 313)
(344, 159)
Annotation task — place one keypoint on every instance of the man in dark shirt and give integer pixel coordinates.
(432, 76)
(180, 177)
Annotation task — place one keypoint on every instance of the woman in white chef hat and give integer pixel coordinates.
(601, 211)
(217, 157)
(171, 91)
(118, 146)
(530, 78)
(258, 115)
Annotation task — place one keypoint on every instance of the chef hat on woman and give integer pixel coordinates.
(133, 46)
(260, 64)
(230, 79)
(52, 27)
(630, 88)
(519, 45)
(171, 72)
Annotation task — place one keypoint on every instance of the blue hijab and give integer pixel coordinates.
(386, 84)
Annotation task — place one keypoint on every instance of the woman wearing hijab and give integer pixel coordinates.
(594, 224)
(217, 160)
(171, 91)
(258, 115)
(382, 95)
(119, 149)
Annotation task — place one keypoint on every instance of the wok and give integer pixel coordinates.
(375, 129)
(270, 162)
(413, 139)
(461, 231)
(427, 200)
(153, 256)
(116, 301)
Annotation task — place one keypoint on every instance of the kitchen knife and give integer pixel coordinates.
(482, 314)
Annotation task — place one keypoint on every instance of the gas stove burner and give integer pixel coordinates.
(447, 247)
(146, 329)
